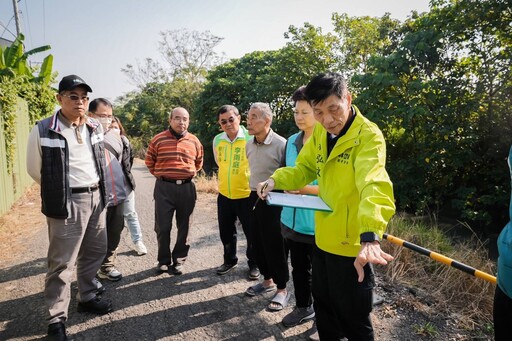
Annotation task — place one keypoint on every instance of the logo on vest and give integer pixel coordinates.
(343, 158)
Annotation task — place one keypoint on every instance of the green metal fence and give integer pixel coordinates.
(12, 186)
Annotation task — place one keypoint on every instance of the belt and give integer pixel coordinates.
(92, 188)
(177, 182)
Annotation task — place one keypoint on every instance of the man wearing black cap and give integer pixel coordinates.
(65, 155)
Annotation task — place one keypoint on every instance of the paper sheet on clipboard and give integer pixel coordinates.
(308, 202)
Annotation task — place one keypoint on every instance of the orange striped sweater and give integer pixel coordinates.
(172, 158)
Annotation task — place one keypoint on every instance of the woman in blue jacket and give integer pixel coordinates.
(298, 225)
(503, 296)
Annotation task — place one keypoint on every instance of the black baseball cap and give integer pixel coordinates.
(72, 81)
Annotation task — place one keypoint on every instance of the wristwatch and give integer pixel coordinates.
(368, 237)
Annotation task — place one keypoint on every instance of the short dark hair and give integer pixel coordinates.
(324, 85)
(227, 108)
(299, 95)
(93, 105)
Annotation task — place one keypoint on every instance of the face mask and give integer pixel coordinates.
(105, 122)
(116, 130)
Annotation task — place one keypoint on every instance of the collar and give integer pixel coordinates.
(347, 125)
(298, 140)
(268, 138)
(67, 123)
(239, 135)
(176, 135)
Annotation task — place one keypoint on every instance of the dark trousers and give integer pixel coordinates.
(301, 257)
(268, 242)
(227, 212)
(502, 315)
(115, 225)
(342, 304)
(170, 198)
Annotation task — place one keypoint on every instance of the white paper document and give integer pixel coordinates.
(308, 202)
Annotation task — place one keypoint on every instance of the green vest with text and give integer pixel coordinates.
(234, 171)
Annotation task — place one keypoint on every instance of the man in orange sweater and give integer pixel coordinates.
(174, 157)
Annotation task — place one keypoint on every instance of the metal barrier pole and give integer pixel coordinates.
(440, 258)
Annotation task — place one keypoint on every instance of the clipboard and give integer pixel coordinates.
(308, 202)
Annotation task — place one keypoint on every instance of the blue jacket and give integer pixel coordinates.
(505, 248)
(299, 220)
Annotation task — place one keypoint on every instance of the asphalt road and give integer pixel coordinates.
(198, 305)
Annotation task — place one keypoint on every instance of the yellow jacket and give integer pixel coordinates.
(233, 164)
(353, 181)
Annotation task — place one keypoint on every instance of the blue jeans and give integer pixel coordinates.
(131, 218)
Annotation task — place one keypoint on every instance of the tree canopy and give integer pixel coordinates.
(438, 85)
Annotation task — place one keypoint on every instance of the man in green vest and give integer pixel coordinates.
(233, 198)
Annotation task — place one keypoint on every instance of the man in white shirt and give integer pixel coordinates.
(65, 155)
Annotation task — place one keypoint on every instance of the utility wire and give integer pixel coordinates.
(27, 20)
(6, 28)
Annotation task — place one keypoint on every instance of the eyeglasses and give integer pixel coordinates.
(76, 97)
(230, 120)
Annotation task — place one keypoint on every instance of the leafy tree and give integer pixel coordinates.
(360, 38)
(145, 113)
(13, 62)
(17, 80)
(269, 76)
(441, 97)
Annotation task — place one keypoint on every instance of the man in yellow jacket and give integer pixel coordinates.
(233, 200)
(347, 155)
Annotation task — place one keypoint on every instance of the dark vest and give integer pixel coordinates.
(55, 190)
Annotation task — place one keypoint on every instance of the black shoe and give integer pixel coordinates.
(225, 268)
(254, 273)
(177, 269)
(96, 306)
(57, 332)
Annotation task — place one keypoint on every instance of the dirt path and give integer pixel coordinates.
(199, 305)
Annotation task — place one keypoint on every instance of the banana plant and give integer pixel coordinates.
(13, 61)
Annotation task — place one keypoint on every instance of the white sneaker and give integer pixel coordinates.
(140, 248)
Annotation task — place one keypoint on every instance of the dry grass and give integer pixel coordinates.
(466, 298)
(206, 184)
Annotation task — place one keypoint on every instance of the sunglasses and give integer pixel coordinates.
(230, 120)
(76, 97)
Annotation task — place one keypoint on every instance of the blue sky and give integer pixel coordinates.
(95, 39)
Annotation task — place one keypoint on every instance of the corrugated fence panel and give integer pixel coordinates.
(12, 186)
(21, 178)
(6, 188)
